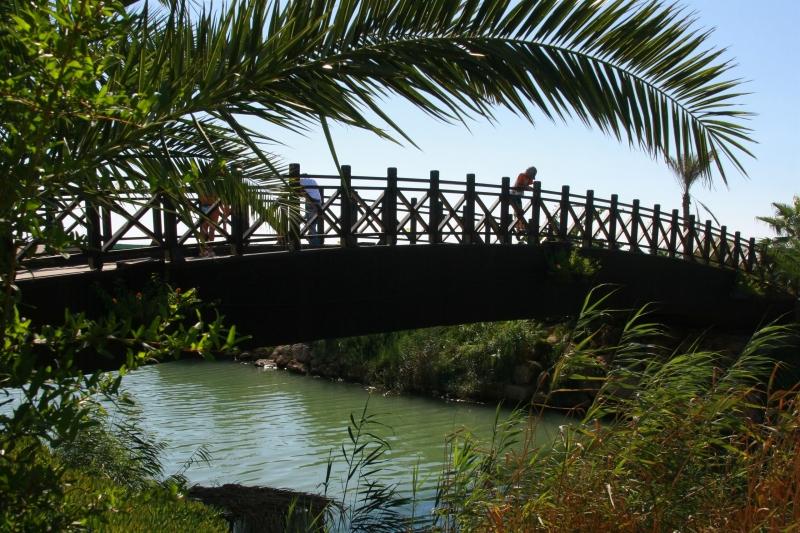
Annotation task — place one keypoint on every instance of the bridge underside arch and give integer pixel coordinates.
(285, 297)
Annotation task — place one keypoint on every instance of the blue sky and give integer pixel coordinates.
(761, 36)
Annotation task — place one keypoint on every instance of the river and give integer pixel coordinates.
(273, 428)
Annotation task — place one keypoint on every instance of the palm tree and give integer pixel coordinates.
(161, 106)
(786, 222)
(783, 251)
(688, 170)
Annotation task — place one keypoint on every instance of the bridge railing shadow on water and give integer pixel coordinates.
(391, 211)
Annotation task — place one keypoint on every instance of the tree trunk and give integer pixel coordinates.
(686, 209)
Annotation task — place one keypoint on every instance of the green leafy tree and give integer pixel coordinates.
(784, 249)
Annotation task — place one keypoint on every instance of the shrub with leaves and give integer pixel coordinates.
(48, 400)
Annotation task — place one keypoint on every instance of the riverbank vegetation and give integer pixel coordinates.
(690, 440)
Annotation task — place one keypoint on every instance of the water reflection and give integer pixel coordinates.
(277, 429)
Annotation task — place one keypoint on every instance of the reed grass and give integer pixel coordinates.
(689, 440)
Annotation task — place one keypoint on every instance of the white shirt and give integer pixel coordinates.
(311, 188)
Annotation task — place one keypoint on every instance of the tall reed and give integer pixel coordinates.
(691, 440)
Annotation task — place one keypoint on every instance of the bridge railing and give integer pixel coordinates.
(391, 210)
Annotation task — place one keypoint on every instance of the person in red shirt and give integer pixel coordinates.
(523, 182)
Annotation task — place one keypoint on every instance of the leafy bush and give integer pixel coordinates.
(51, 401)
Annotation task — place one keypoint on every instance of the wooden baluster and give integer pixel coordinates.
(737, 252)
(434, 214)
(708, 238)
(390, 208)
(172, 251)
(293, 237)
(636, 221)
(505, 216)
(563, 222)
(656, 233)
(535, 222)
(107, 232)
(688, 243)
(751, 255)
(240, 222)
(723, 245)
(673, 233)
(93, 237)
(347, 238)
(469, 211)
(612, 222)
(413, 237)
(321, 217)
(588, 219)
(158, 231)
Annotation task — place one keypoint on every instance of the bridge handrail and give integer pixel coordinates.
(393, 210)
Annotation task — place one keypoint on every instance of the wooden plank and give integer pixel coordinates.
(656, 229)
(674, 227)
(737, 250)
(413, 236)
(636, 221)
(173, 252)
(93, 236)
(563, 213)
(469, 211)
(751, 255)
(389, 208)
(612, 222)
(723, 245)
(535, 221)
(505, 215)
(434, 209)
(347, 238)
(293, 236)
(708, 238)
(588, 219)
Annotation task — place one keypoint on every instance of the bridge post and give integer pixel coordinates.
(293, 236)
(588, 219)
(723, 245)
(673, 233)
(240, 222)
(172, 252)
(737, 252)
(93, 238)
(158, 229)
(413, 238)
(434, 216)
(612, 222)
(656, 233)
(106, 214)
(751, 255)
(348, 207)
(707, 238)
(563, 220)
(389, 213)
(635, 221)
(534, 222)
(505, 217)
(688, 240)
(469, 211)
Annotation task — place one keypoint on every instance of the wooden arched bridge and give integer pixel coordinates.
(355, 264)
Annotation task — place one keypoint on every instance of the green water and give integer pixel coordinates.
(277, 429)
